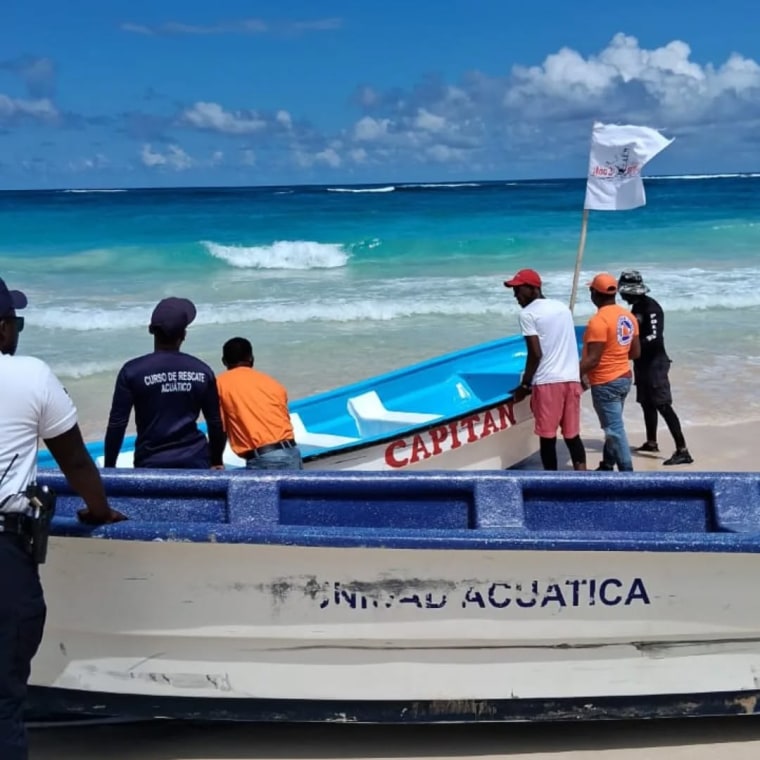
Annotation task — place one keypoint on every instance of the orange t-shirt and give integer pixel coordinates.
(615, 327)
(254, 409)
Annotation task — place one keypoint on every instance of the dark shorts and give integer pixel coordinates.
(653, 384)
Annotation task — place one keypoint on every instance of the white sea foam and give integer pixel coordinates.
(442, 184)
(283, 254)
(99, 190)
(706, 176)
(386, 189)
(72, 371)
(687, 290)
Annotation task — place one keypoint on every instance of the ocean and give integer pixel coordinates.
(333, 284)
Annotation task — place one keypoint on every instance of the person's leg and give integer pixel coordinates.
(650, 425)
(546, 403)
(577, 452)
(22, 618)
(548, 448)
(570, 424)
(608, 401)
(674, 425)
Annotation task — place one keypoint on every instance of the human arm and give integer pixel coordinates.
(592, 355)
(118, 419)
(217, 439)
(531, 365)
(76, 464)
(634, 352)
(652, 326)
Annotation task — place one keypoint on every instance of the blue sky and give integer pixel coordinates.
(110, 93)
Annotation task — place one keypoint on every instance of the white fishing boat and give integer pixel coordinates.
(450, 412)
(405, 597)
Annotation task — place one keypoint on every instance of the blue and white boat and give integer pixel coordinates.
(451, 412)
(432, 596)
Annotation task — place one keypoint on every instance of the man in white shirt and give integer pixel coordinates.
(551, 375)
(33, 405)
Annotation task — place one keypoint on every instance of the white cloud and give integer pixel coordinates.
(283, 118)
(212, 117)
(176, 28)
(369, 129)
(248, 157)
(328, 156)
(237, 26)
(174, 158)
(661, 84)
(17, 109)
(429, 121)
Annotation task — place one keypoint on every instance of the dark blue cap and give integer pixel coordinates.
(10, 300)
(173, 315)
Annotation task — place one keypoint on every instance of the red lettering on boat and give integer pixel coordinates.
(489, 425)
(419, 450)
(390, 454)
(438, 436)
(468, 424)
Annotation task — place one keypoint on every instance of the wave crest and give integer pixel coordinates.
(283, 254)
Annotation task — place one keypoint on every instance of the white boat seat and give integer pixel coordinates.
(305, 438)
(372, 418)
(125, 459)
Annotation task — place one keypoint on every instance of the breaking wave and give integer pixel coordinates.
(283, 254)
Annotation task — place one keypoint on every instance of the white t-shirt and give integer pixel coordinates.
(33, 405)
(552, 322)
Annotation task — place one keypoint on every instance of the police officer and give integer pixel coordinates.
(33, 404)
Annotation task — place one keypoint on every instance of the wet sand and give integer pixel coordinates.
(737, 738)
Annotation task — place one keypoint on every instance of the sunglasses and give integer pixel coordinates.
(18, 320)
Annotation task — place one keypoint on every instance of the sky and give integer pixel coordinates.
(149, 93)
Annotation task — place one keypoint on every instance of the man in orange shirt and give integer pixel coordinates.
(610, 342)
(254, 409)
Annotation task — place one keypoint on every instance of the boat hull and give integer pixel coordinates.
(422, 597)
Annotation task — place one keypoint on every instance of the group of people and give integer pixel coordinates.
(615, 337)
(168, 391)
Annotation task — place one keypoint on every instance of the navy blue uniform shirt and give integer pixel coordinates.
(168, 390)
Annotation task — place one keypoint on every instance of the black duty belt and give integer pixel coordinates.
(15, 523)
(253, 453)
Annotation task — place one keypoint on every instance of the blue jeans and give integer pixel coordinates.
(279, 459)
(609, 400)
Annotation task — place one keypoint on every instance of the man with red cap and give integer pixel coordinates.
(551, 373)
(610, 342)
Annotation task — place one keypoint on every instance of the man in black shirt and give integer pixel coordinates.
(652, 367)
(168, 390)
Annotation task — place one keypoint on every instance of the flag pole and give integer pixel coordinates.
(579, 258)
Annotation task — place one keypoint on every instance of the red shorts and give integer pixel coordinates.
(557, 405)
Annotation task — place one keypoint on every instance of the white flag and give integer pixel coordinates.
(618, 154)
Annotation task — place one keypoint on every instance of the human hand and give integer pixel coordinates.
(87, 517)
(585, 382)
(519, 393)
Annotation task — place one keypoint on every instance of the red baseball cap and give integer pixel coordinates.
(604, 283)
(524, 277)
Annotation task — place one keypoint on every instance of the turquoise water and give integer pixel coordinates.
(335, 284)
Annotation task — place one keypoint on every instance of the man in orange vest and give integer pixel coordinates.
(610, 342)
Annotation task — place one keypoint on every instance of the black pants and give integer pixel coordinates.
(22, 619)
